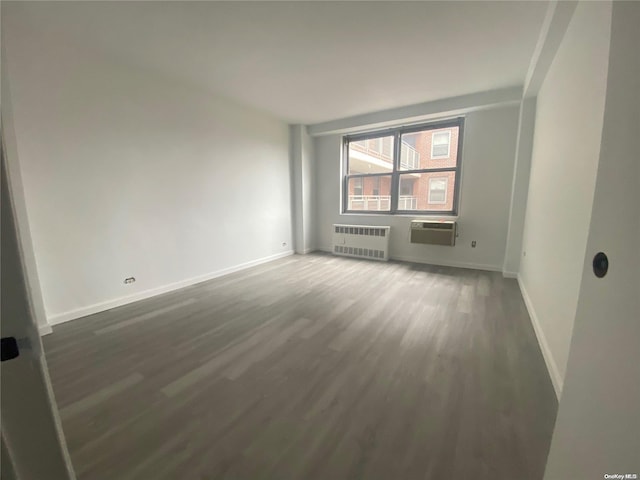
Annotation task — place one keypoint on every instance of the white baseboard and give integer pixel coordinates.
(509, 274)
(117, 302)
(440, 263)
(45, 330)
(554, 373)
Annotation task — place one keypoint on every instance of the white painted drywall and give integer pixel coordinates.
(420, 112)
(568, 128)
(30, 421)
(554, 26)
(309, 186)
(302, 168)
(22, 222)
(598, 424)
(129, 174)
(520, 187)
(487, 172)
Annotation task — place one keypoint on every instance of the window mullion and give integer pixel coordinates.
(395, 176)
(345, 173)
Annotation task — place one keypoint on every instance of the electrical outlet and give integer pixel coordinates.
(129, 280)
(284, 244)
(473, 244)
(524, 253)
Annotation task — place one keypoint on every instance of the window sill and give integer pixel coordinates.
(429, 216)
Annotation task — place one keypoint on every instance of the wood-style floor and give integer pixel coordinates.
(309, 367)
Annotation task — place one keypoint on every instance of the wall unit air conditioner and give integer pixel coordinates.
(361, 241)
(433, 232)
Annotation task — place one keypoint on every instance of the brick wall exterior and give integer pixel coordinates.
(423, 145)
(369, 185)
(423, 142)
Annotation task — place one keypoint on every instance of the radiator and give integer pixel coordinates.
(361, 241)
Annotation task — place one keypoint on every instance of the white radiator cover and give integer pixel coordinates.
(361, 241)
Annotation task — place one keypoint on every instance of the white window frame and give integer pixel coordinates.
(446, 192)
(448, 133)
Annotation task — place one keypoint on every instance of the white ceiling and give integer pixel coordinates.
(309, 62)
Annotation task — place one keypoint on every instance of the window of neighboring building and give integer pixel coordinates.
(406, 188)
(393, 171)
(438, 190)
(357, 186)
(440, 144)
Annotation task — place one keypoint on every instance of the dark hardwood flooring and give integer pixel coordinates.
(309, 367)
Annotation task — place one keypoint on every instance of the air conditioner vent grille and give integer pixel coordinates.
(433, 225)
(433, 233)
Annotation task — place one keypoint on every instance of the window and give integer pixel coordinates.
(404, 170)
(438, 190)
(357, 186)
(440, 142)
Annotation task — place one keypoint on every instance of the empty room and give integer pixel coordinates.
(320, 240)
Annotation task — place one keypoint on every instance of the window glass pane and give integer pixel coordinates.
(369, 193)
(373, 155)
(440, 144)
(376, 186)
(429, 149)
(357, 186)
(437, 190)
(426, 191)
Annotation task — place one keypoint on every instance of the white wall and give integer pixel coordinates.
(302, 168)
(598, 424)
(487, 173)
(566, 145)
(22, 222)
(29, 416)
(520, 186)
(309, 186)
(129, 174)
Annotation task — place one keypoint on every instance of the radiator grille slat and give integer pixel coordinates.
(359, 252)
(366, 231)
(361, 241)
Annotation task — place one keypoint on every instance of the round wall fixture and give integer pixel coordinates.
(600, 264)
